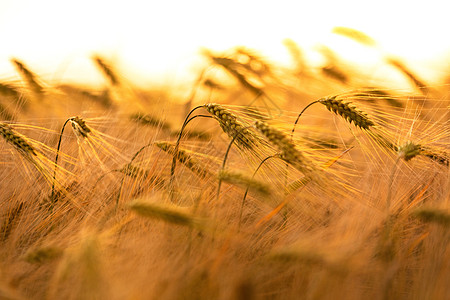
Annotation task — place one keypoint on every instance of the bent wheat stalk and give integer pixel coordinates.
(236, 135)
(81, 130)
(247, 189)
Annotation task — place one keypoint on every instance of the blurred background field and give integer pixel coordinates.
(161, 150)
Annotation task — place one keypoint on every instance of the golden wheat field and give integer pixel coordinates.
(263, 182)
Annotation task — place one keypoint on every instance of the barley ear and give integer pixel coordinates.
(288, 151)
(19, 141)
(348, 111)
(231, 125)
(28, 76)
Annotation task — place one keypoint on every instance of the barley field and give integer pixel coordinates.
(262, 182)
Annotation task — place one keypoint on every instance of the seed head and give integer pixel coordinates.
(79, 126)
(409, 150)
(289, 152)
(16, 139)
(231, 125)
(347, 111)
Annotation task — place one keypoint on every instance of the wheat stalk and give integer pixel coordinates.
(81, 130)
(420, 85)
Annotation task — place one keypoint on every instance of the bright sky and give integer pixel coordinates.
(159, 40)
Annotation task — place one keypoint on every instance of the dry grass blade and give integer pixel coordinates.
(170, 214)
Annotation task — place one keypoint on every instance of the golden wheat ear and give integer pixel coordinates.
(107, 70)
(288, 152)
(242, 180)
(348, 111)
(355, 35)
(169, 214)
(401, 67)
(81, 130)
(230, 124)
(32, 150)
(19, 141)
(432, 215)
(29, 77)
(79, 127)
(184, 157)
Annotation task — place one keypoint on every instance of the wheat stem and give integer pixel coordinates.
(224, 162)
(247, 189)
(56, 160)
(300, 114)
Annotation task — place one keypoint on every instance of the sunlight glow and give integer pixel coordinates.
(160, 40)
